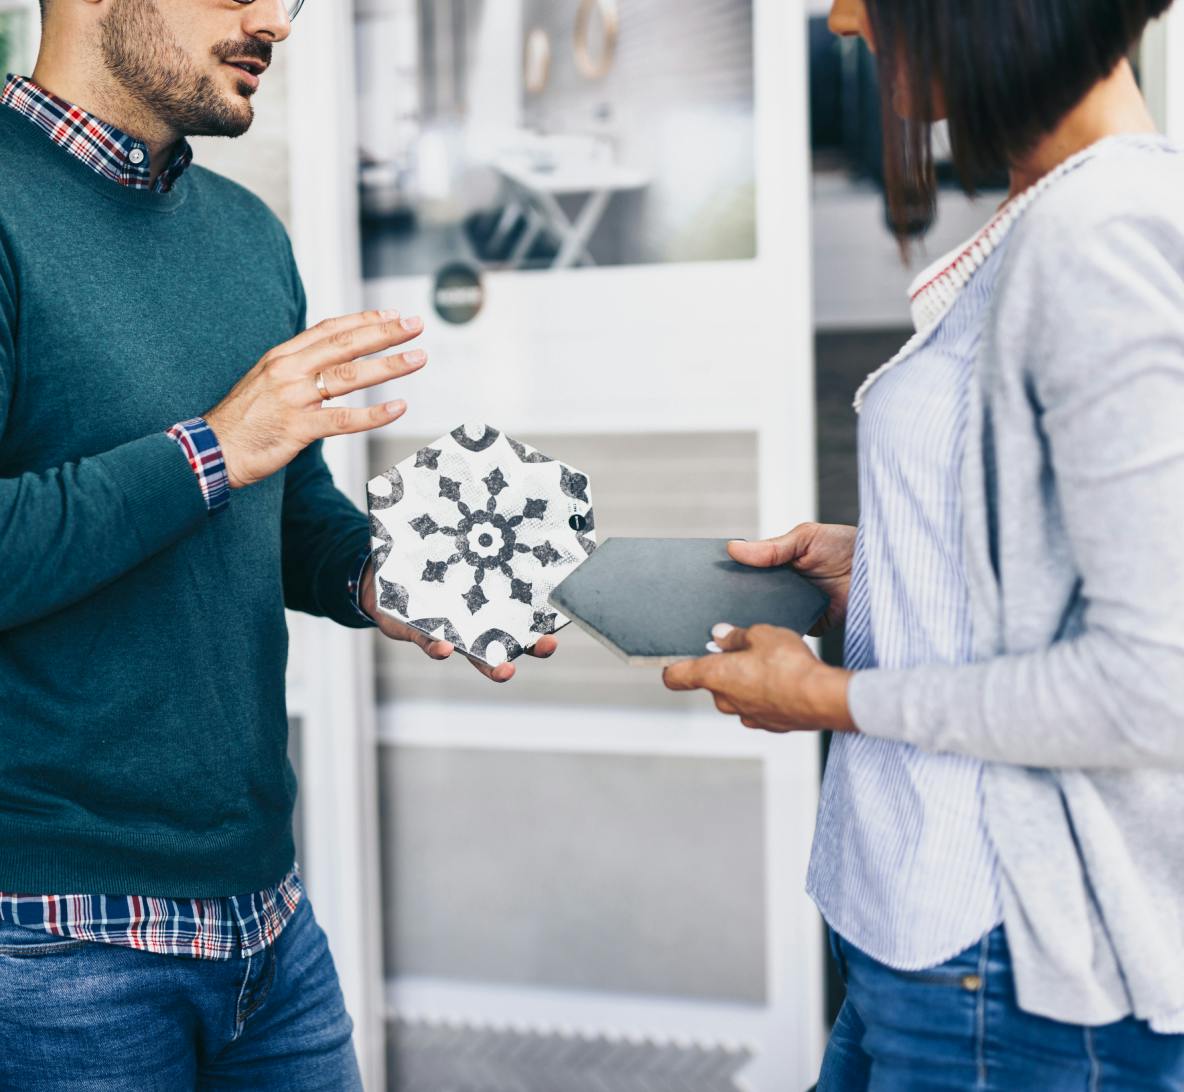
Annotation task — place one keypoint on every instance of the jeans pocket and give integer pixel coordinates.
(18, 942)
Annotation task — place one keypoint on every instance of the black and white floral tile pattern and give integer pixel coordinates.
(471, 534)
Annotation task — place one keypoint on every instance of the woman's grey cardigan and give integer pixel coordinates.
(1074, 483)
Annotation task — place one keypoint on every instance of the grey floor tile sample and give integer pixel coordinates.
(654, 600)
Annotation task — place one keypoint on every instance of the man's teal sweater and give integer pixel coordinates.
(143, 727)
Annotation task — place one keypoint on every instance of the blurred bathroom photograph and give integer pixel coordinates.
(531, 135)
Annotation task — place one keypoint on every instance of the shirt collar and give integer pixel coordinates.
(106, 150)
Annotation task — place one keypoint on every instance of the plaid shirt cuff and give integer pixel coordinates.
(355, 585)
(204, 453)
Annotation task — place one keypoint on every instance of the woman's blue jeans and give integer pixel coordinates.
(82, 1017)
(957, 1027)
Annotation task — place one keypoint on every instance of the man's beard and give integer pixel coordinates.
(145, 58)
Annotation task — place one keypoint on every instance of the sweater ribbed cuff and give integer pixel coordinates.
(164, 501)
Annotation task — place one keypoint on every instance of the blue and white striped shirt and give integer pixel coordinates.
(902, 865)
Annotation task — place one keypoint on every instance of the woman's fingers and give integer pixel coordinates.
(356, 375)
(771, 552)
(729, 638)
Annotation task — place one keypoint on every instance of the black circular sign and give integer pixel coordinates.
(459, 293)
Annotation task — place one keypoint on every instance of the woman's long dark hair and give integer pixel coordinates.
(1006, 72)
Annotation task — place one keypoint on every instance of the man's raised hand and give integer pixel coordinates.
(275, 411)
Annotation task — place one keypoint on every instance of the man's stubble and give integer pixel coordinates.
(142, 54)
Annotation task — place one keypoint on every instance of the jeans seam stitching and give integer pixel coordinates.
(981, 1014)
(239, 1019)
(1095, 1074)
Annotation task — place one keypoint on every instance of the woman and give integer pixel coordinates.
(1000, 847)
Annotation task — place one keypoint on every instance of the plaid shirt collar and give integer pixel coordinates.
(105, 149)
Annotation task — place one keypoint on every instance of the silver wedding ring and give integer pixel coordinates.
(322, 390)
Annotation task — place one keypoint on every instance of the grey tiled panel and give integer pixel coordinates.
(627, 874)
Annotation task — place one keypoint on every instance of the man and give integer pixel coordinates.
(153, 932)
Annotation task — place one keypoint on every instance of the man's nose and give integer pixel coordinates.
(267, 20)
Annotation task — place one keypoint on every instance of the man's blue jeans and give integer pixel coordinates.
(957, 1027)
(82, 1017)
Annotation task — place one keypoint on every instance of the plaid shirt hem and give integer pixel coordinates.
(204, 453)
(221, 928)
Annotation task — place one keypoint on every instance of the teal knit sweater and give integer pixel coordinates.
(143, 727)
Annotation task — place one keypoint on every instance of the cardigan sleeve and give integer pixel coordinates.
(1091, 311)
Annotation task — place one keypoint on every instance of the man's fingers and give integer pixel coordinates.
(344, 420)
(349, 344)
(328, 327)
(356, 375)
(544, 647)
(770, 552)
(503, 673)
(725, 706)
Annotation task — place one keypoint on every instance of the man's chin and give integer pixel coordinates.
(233, 121)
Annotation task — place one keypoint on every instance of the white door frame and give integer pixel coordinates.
(1173, 73)
(332, 674)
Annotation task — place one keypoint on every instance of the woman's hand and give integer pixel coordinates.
(821, 552)
(439, 650)
(769, 679)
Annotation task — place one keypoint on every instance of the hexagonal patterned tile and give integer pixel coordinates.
(470, 535)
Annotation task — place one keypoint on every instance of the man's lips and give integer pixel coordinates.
(250, 68)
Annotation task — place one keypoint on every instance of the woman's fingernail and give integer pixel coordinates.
(395, 407)
(713, 647)
(721, 631)
(390, 313)
(412, 323)
(417, 356)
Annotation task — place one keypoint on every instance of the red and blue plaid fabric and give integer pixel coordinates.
(204, 453)
(102, 147)
(219, 928)
(229, 928)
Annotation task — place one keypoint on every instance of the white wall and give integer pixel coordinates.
(1174, 73)
(259, 160)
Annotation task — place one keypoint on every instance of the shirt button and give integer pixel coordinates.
(136, 156)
